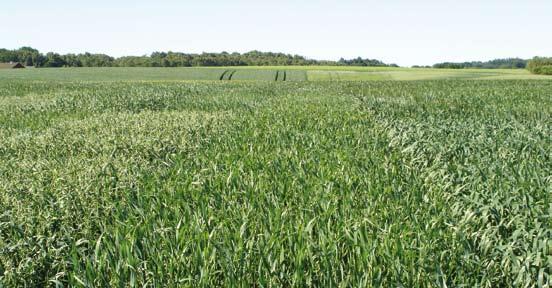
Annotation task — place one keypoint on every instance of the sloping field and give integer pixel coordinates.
(154, 74)
(260, 75)
(326, 75)
(420, 74)
(252, 184)
(114, 74)
(268, 73)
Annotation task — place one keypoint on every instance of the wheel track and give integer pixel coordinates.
(223, 74)
(231, 75)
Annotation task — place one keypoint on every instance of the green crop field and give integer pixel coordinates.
(156, 74)
(268, 73)
(124, 177)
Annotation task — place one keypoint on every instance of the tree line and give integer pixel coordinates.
(540, 65)
(364, 62)
(508, 63)
(31, 57)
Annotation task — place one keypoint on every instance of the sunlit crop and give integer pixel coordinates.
(276, 184)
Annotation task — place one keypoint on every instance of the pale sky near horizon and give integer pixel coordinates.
(396, 31)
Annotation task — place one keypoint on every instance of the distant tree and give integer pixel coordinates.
(30, 56)
(72, 60)
(363, 62)
(27, 56)
(54, 60)
(508, 63)
(540, 65)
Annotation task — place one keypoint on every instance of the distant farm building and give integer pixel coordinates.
(11, 65)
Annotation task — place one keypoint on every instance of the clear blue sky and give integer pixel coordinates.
(398, 31)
